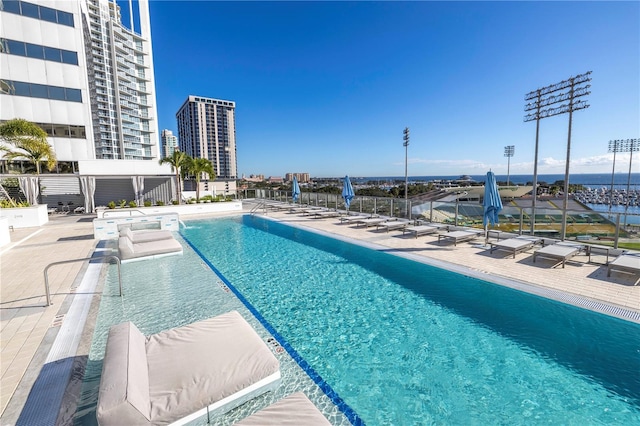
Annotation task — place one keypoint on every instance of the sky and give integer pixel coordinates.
(327, 88)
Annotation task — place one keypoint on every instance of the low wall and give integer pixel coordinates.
(108, 228)
(26, 217)
(5, 238)
(182, 209)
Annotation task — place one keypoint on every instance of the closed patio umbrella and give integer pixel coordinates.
(295, 190)
(492, 203)
(347, 192)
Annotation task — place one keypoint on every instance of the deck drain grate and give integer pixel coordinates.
(57, 320)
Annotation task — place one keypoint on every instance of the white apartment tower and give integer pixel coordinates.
(121, 81)
(76, 70)
(169, 143)
(43, 74)
(207, 129)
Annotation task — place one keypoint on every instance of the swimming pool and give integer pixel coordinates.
(406, 343)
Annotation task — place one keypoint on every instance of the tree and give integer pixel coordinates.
(177, 161)
(27, 141)
(197, 166)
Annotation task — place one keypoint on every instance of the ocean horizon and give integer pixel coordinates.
(586, 179)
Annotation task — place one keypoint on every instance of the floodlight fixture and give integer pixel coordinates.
(623, 145)
(405, 138)
(543, 103)
(509, 150)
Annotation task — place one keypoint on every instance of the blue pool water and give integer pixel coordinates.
(406, 343)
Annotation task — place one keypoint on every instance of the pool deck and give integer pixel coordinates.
(28, 327)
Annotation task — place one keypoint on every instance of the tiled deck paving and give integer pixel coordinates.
(25, 320)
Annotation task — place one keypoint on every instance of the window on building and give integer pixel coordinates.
(35, 51)
(48, 14)
(11, 6)
(29, 9)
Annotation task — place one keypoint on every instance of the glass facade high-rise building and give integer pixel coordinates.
(169, 143)
(121, 80)
(207, 129)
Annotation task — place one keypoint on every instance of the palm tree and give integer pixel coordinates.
(178, 160)
(27, 141)
(197, 166)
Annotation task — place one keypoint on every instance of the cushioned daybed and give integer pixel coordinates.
(175, 376)
(144, 236)
(146, 247)
(294, 410)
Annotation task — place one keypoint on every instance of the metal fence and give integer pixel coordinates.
(582, 224)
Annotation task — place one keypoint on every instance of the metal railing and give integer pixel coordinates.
(124, 210)
(62, 262)
(582, 224)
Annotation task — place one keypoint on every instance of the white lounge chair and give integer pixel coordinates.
(560, 252)
(372, 221)
(393, 225)
(458, 236)
(420, 230)
(354, 218)
(628, 263)
(294, 410)
(178, 375)
(514, 245)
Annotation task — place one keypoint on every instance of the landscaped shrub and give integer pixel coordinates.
(6, 204)
(111, 204)
(160, 203)
(147, 203)
(122, 203)
(132, 204)
(175, 202)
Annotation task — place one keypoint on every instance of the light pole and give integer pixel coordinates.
(547, 97)
(624, 145)
(509, 150)
(406, 176)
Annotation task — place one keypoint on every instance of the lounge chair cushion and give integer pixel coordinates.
(294, 410)
(124, 390)
(130, 250)
(196, 365)
(146, 236)
(170, 375)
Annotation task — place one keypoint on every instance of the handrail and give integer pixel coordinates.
(62, 262)
(128, 210)
(258, 206)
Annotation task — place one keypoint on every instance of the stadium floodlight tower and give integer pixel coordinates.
(406, 176)
(623, 145)
(509, 150)
(542, 103)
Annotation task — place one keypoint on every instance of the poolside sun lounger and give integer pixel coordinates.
(325, 214)
(294, 410)
(372, 221)
(626, 263)
(354, 218)
(178, 375)
(420, 230)
(458, 236)
(560, 252)
(514, 245)
(393, 224)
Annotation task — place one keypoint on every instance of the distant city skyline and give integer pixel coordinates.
(328, 87)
